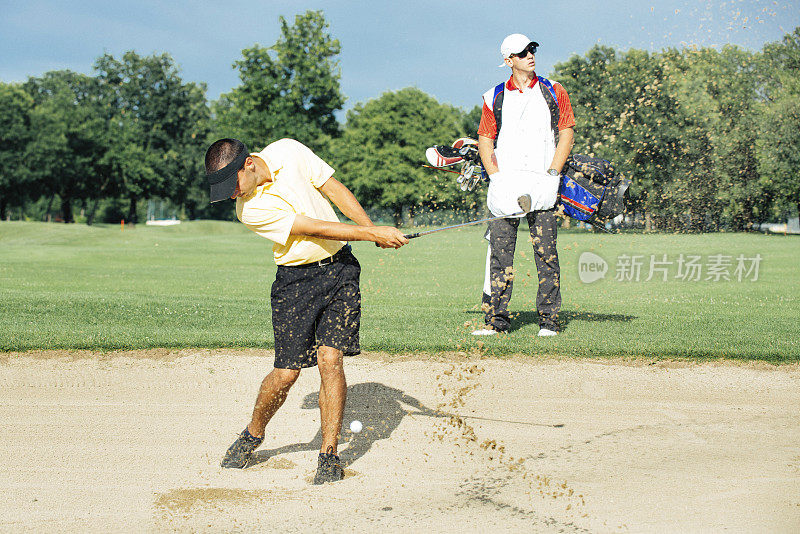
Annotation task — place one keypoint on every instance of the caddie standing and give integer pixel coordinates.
(282, 194)
(524, 139)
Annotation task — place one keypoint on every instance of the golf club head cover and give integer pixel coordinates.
(443, 156)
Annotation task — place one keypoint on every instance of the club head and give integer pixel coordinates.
(525, 203)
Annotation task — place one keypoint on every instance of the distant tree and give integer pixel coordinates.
(470, 122)
(625, 112)
(382, 150)
(290, 89)
(69, 139)
(679, 123)
(15, 133)
(726, 81)
(157, 127)
(778, 147)
(586, 79)
(694, 180)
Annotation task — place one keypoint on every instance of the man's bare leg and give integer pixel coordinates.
(271, 395)
(332, 396)
(274, 389)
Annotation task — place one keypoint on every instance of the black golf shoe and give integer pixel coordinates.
(240, 452)
(329, 469)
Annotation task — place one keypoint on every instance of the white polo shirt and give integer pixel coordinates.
(270, 211)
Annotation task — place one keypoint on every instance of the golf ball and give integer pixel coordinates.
(355, 426)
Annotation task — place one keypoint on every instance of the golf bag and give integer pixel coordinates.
(465, 151)
(591, 191)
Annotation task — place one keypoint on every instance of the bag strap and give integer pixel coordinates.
(550, 97)
(497, 108)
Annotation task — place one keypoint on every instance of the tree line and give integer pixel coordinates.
(710, 137)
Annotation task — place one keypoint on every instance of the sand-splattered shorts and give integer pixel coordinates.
(315, 305)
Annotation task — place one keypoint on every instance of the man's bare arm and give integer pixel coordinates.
(486, 151)
(383, 236)
(344, 199)
(566, 139)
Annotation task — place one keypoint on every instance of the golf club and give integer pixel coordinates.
(524, 202)
(447, 414)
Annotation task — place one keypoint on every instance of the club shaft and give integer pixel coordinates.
(470, 223)
(440, 169)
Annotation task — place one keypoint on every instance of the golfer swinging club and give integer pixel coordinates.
(281, 195)
(524, 138)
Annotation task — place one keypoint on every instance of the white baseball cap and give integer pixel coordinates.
(514, 44)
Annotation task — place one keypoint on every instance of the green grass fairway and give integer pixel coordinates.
(207, 284)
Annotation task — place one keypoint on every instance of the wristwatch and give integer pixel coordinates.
(552, 172)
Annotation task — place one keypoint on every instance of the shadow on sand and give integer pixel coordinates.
(380, 408)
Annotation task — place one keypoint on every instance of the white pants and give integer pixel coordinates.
(505, 187)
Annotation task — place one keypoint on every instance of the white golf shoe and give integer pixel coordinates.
(484, 332)
(544, 332)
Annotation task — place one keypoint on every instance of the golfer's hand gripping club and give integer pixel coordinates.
(524, 203)
(388, 237)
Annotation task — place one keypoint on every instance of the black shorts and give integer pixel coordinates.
(315, 305)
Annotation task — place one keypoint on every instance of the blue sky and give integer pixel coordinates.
(447, 49)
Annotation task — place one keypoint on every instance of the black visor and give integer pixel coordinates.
(222, 182)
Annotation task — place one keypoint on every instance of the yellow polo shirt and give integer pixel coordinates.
(270, 211)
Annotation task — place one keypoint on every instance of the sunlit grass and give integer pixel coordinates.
(206, 284)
